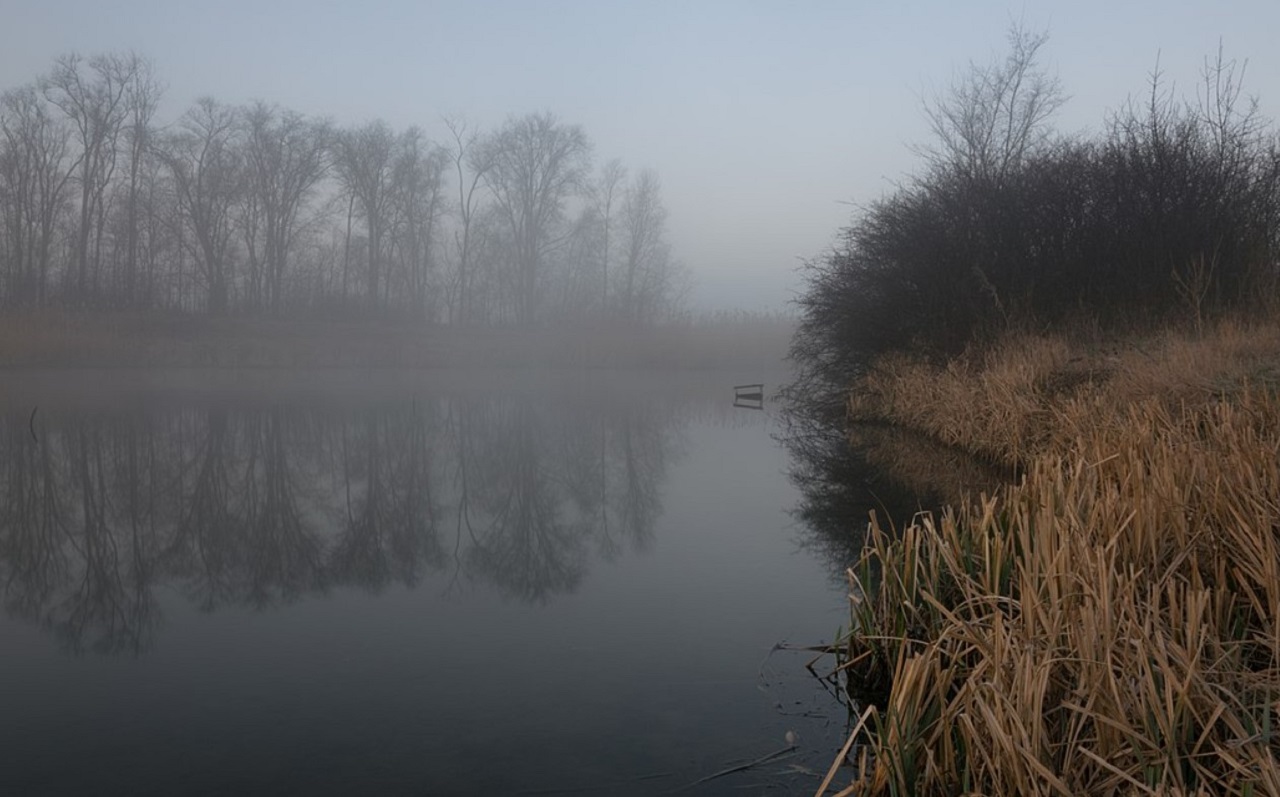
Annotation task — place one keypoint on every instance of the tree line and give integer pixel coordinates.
(259, 209)
(1169, 214)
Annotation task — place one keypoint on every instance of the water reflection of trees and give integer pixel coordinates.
(846, 473)
(539, 493)
(258, 506)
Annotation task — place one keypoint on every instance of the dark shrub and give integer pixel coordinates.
(1170, 214)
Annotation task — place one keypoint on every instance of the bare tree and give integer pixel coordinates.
(610, 182)
(466, 156)
(1219, 102)
(490, 297)
(417, 179)
(157, 243)
(94, 97)
(363, 158)
(204, 158)
(286, 157)
(647, 270)
(537, 164)
(142, 97)
(995, 114)
(573, 271)
(34, 172)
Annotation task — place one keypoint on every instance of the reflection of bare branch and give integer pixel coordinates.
(32, 525)
(287, 554)
(207, 544)
(643, 464)
(460, 425)
(107, 601)
(845, 474)
(258, 506)
(528, 552)
(391, 528)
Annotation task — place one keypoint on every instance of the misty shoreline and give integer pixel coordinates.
(64, 340)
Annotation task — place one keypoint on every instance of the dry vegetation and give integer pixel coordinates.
(1109, 624)
(1006, 402)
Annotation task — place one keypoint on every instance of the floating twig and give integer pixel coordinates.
(776, 754)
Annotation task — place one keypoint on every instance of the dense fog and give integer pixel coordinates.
(260, 209)
(759, 128)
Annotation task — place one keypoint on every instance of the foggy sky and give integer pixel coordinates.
(764, 119)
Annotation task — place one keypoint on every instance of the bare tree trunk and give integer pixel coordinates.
(538, 164)
(96, 106)
(346, 248)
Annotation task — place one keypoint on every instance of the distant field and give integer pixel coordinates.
(58, 339)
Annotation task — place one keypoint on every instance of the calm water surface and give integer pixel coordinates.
(438, 584)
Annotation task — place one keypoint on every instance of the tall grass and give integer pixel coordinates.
(1107, 625)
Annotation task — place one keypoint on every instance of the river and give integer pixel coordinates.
(381, 583)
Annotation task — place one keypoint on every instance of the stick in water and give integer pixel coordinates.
(761, 760)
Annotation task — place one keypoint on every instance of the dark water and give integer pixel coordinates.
(403, 585)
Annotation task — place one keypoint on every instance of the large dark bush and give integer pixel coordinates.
(1170, 213)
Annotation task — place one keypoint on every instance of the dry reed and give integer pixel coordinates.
(1108, 625)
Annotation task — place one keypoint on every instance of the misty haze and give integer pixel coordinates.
(582, 398)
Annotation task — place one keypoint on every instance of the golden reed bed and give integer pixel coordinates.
(1108, 625)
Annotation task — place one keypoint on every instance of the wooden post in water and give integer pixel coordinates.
(749, 396)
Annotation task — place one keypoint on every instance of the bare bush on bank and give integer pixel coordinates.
(1097, 315)
(1170, 213)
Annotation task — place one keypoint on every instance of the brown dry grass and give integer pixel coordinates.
(1001, 403)
(1108, 625)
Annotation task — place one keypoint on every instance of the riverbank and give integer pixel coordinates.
(156, 340)
(1108, 623)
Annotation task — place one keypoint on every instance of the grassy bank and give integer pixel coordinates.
(1108, 624)
(136, 340)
